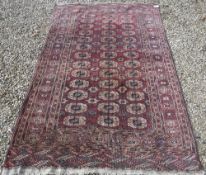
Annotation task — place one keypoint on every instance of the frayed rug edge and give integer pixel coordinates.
(90, 171)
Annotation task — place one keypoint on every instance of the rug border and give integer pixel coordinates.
(29, 87)
(181, 93)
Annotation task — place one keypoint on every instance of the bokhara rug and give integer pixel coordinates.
(105, 98)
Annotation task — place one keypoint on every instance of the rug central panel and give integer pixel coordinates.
(105, 84)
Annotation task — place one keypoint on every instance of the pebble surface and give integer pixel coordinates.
(23, 29)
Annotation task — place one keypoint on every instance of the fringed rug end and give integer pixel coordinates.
(87, 171)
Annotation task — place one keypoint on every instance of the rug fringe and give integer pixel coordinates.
(93, 2)
(88, 171)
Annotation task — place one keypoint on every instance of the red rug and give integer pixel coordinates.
(105, 97)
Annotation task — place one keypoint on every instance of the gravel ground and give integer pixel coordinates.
(23, 29)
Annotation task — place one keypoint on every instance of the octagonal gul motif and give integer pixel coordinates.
(110, 107)
(137, 122)
(83, 46)
(86, 25)
(108, 33)
(80, 73)
(108, 73)
(132, 64)
(82, 55)
(108, 95)
(134, 84)
(108, 26)
(78, 83)
(131, 54)
(108, 121)
(108, 84)
(127, 26)
(128, 33)
(81, 64)
(108, 64)
(77, 95)
(136, 108)
(76, 108)
(135, 95)
(108, 47)
(83, 39)
(133, 74)
(108, 40)
(108, 55)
